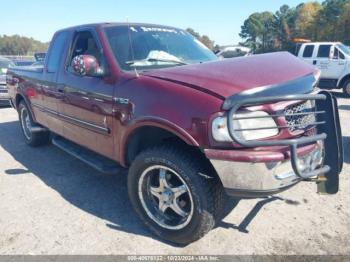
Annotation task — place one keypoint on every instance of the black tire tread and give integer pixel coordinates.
(209, 183)
(344, 88)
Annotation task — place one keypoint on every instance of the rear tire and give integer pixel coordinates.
(31, 138)
(180, 218)
(346, 88)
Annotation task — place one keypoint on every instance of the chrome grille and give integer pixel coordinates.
(300, 116)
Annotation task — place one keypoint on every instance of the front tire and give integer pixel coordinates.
(346, 88)
(31, 138)
(176, 193)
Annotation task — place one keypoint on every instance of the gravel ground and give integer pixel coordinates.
(51, 203)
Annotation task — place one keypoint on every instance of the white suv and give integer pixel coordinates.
(333, 61)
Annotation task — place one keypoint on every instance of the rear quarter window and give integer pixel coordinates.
(308, 51)
(56, 51)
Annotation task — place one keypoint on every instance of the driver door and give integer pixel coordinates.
(87, 101)
(337, 64)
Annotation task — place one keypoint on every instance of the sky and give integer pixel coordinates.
(220, 20)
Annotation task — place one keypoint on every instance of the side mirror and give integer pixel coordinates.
(87, 65)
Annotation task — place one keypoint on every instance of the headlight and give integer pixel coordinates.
(3, 70)
(249, 120)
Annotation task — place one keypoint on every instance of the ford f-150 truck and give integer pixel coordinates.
(190, 129)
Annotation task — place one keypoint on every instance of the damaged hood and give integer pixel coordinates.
(225, 78)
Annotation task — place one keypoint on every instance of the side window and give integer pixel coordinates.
(340, 55)
(56, 52)
(336, 54)
(85, 44)
(324, 51)
(308, 51)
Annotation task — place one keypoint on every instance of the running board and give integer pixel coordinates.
(98, 162)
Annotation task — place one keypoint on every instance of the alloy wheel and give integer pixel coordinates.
(166, 197)
(26, 123)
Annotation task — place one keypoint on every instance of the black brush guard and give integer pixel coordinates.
(328, 130)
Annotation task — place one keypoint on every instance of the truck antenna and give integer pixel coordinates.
(131, 46)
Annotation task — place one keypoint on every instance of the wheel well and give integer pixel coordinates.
(19, 98)
(345, 78)
(146, 137)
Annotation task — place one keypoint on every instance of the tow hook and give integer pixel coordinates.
(320, 179)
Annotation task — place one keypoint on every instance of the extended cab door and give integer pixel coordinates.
(322, 60)
(47, 110)
(87, 103)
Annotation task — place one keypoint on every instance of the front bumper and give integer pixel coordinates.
(251, 179)
(246, 179)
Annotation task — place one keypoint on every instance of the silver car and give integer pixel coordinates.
(4, 65)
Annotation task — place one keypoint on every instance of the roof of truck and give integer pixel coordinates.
(115, 24)
(322, 43)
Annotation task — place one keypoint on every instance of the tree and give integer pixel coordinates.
(305, 26)
(194, 33)
(204, 39)
(344, 24)
(284, 26)
(328, 19)
(257, 31)
(18, 45)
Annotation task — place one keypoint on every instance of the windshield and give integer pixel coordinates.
(151, 47)
(344, 48)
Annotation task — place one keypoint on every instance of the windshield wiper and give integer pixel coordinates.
(157, 60)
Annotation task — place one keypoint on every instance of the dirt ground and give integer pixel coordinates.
(51, 203)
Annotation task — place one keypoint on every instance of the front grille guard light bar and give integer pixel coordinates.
(292, 143)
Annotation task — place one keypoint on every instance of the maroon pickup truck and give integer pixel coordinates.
(190, 129)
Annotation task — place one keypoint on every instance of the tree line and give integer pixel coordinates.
(20, 45)
(204, 39)
(261, 31)
(326, 21)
